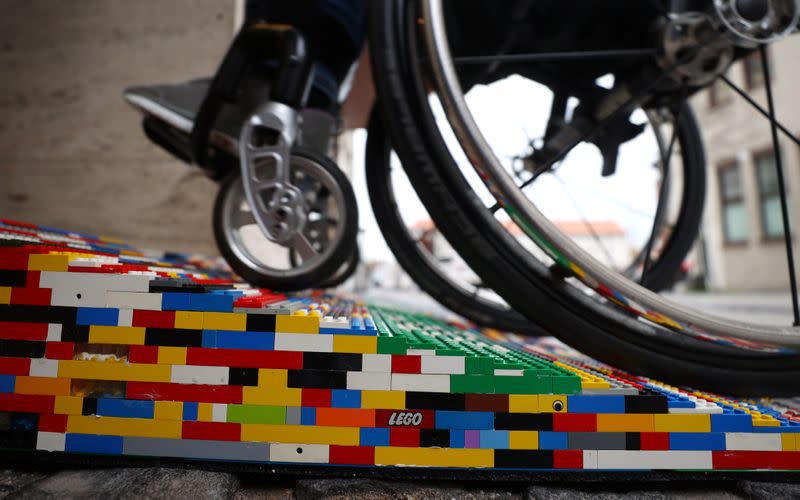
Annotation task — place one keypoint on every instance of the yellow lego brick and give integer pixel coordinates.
(115, 426)
(168, 410)
(355, 343)
(273, 378)
(552, 403)
(296, 324)
(42, 385)
(789, 442)
(68, 405)
(190, 320)
(48, 262)
(681, 422)
(225, 321)
(523, 403)
(204, 412)
(171, 355)
(128, 335)
(5, 294)
(765, 421)
(110, 370)
(386, 400)
(625, 422)
(300, 312)
(271, 396)
(308, 434)
(523, 440)
(434, 457)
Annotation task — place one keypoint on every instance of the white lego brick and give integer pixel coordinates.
(129, 283)
(134, 300)
(125, 317)
(417, 382)
(376, 363)
(50, 441)
(589, 459)
(421, 352)
(54, 332)
(219, 412)
(751, 441)
(655, 460)
(299, 453)
(303, 342)
(508, 373)
(78, 296)
(452, 365)
(369, 381)
(210, 375)
(41, 367)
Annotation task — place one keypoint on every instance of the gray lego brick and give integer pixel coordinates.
(189, 448)
(292, 415)
(596, 440)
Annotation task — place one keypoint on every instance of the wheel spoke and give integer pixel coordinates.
(787, 235)
(553, 56)
(301, 244)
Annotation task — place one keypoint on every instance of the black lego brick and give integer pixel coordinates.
(260, 323)
(317, 379)
(332, 361)
(243, 376)
(633, 441)
(75, 333)
(435, 401)
(39, 314)
(646, 403)
(434, 438)
(173, 337)
(523, 459)
(89, 406)
(13, 278)
(523, 421)
(22, 348)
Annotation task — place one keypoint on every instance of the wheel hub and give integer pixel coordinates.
(758, 21)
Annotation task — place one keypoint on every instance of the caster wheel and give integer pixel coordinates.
(322, 246)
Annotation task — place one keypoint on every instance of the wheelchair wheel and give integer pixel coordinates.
(323, 245)
(588, 321)
(344, 273)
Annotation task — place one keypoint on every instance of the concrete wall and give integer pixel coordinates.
(72, 153)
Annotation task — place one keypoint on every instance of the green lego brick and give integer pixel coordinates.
(477, 384)
(256, 414)
(526, 384)
(565, 384)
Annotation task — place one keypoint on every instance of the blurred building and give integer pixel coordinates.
(742, 231)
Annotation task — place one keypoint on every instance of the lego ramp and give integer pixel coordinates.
(108, 353)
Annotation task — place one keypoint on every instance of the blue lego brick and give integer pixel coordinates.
(211, 302)
(680, 403)
(97, 316)
(457, 438)
(190, 411)
(378, 436)
(596, 404)
(7, 383)
(343, 398)
(473, 420)
(731, 422)
(261, 341)
(355, 323)
(697, 441)
(553, 440)
(93, 443)
(785, 427)
(128, 408)
(308, 416)
(175, 301)
(495, 440)
(347, 331)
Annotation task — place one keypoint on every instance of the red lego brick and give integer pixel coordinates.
(154, 319)
(404, 437)
(320, 398)
(497, 403)
(59, 350)
(143, 354)
(568, 459)
(164, 391)
(772, 460)
(52, 423)
(15, 366)
(244, 358)
(11, 330)
(654, 441)
(575, 422)
(406, 364)
(405, 418)
(31, 296)
(13, 259)
(27, 403)
(32, 279)
(220, 431)
(355, 455)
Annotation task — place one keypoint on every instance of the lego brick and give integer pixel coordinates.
(296, 324)
(316, 397)
(273, 378)
(345, 417)
(11, 330)
(308, 416)
(127, 408)
(171, 356)
(374, 437)
(256, 414)
(189, 320)
(260, 323)
(14, 278)
(344, 398)
(210, 302)
(524, 421)
(93, 443)
(464, 420)
(404, 437)
(102, 370)
(21, 348)
(575, 422)
(68, 405)
(317, 379)
(31, 296)
(51, 441)
(116, 335)
(769, 460)
(271, 396)
(196, 449)
(262, 341)
(5, 295)
(147, 354)
(59, 350)
(303, 342)
(424, 419)
(746, 441)
(42, 385)
(243, 376)
(168, 410)
(376, 363)
(553, 440)
(184, 392)
(596, 404)
(523, 403)
(731, 422)
(225, 321)
(173, 337)
(15, 366)
(646, 404)
(653, 460)
(492, 439)
(244, 358)
(487, 402)
(434, 457)
(523, 459)
(7, 383)
(52, 423)
(54, 332)
(696, 441)
(471, 384)
(37, 314)
(597, 441)
(155, 319)
(355, 344)
(190, 410)
(523, 440)
(625, 423)
(97, 316)
(555, 403)
(115, 426)
(351, 455)
(568, 459)
(374, 381)
(47, 262)
(682, 423)
(44, 368)
(222, 431)
(299, 453)
(789, 442)
(135, 300)
(422, 383)
(435, 401)
(18, 438)
(383, 399)
(294, 416)
(452, 365)
(406, 364)
(207, 375)
(271, 433)
(89, 406)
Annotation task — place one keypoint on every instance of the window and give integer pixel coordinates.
(719, 93)
(734, 213)
(768, 195)
(753, 70)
